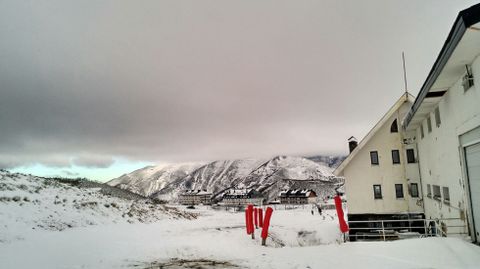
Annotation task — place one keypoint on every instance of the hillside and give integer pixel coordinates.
(29, 203)
(147, 180)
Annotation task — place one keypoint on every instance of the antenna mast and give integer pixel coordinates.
(404, 73)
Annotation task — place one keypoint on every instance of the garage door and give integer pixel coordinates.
(472, 155)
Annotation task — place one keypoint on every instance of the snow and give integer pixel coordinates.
(99, 237)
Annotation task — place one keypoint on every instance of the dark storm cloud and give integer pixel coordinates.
(84, 82)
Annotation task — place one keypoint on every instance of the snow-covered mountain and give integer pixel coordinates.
(29, 203)
(270, 176)
(147, 180)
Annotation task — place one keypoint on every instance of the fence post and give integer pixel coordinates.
(383, 231)
(425, 226)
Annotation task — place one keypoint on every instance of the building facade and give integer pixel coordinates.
(243, 197)
(195, 197)
(444, 125)
(381, 172)
(298, 197)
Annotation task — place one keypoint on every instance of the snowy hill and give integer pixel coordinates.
(267, 175)
(29, 203)
(147, 180)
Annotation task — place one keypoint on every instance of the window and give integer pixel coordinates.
(429, 124)
(422, 134)
(377, 191)
(429, 190)
(395, 156)
(410, 156)
(446, 195)
(438, 121)
(436, 192)
(467, 80)
(394, 127)
(399, 190)
(414, 190)
(374, 157)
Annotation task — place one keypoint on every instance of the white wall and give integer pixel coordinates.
(361, 175)
(440, 151)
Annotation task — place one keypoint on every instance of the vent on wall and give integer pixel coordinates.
(467, 81)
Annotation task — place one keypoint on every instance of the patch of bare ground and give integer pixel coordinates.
(186, 264)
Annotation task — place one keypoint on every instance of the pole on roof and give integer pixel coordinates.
(404, 73)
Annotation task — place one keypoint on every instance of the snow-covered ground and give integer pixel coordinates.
(44, 231)
(300, 240)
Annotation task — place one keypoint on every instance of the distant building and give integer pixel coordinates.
(195, 197)
(241, 197)
(298, 197)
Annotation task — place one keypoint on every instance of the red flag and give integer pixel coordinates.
(246, 221)
(266, 222)
(250, 219)
(260, 217)
(255, 212)
(341, 219)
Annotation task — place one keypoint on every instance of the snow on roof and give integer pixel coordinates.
(196, 192)
(296, 193)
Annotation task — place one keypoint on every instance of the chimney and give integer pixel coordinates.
(352, 143)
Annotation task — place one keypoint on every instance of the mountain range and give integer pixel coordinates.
(269, 176)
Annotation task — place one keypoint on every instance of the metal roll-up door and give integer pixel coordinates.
(472, 156)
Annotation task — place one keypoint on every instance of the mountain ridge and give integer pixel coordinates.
(166, 182)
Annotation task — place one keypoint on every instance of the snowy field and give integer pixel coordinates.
(50, 224)
(217, 239)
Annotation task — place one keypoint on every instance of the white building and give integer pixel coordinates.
(242, 197)
(444, 123)
(381, 172)
(195, 197)
(297, 196)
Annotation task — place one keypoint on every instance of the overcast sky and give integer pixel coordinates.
(109, 86)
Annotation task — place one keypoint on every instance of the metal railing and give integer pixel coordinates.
(393, 229)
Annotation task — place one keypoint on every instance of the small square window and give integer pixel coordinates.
(410, 156)
(399, 190)
(374, 157)
(414, 190)
(438, 121)
(395, 156)
(429, 124)
(377, 191)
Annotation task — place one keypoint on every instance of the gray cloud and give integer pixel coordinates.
(204, 80)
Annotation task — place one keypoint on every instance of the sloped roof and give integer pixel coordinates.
(407, 97)
(459, 48)
(296, 193)
(196, 192)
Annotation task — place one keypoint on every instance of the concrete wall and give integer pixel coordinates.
(440, 151)
(361, 175)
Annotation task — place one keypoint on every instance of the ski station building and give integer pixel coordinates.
(422, 159)
(195, 197)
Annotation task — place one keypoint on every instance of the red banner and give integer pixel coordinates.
(246, 221)
(266, 222)
(341, 219)
(260, 217)
(250, 219)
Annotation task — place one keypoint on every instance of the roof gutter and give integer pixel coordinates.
(465, 19)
